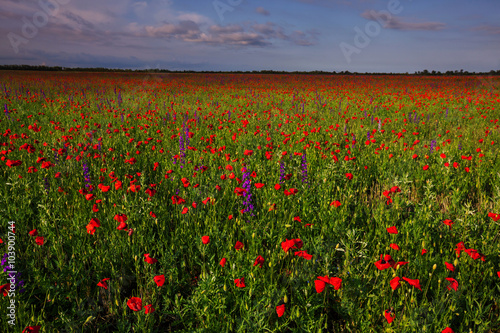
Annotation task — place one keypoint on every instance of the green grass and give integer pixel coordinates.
(61, 276)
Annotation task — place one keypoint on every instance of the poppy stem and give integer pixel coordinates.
(428, 283)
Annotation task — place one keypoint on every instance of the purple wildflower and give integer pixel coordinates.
(282, 172)
(86, 175)
(433, 144)
(248, 195)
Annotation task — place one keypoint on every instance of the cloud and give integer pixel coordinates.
(391, 22)
(229, 35)
(271, 30)
(489, 29)
(185, 30)
(262, 11)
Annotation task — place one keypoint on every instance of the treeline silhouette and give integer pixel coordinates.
(103, 69)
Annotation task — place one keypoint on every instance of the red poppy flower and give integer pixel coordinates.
(93, 224)
(460, 248)
(153, 215)
(297, 218)
(118, 185)
(39, 240)
(298, 243)
(319, 285)
(336, 282)
(280, 310)
(122, 226)
(149, 309)
(239, 245)
(453, 284)
(177, 200)
(32, 329)
(159, 280)
(240, 283)
(449, 223)
(288, 244)
(135, 303)
(33, 233)
(259, 185)
(395, 189)
(413, 282)
(349, 176)
(151, 192)
(442, 155)
(474, 254)
(449, 266)
(291, 191)
(11, 164)
(389, 315)
(335, 203)
(149, 260)
(494, 216)
(239, 191)
(394, 246)
(205, 239)
(4, 289)
(392, 230)
(395, 283)
(424, 251)
(121, 217)
(259, 261)
(304, 255)
(89, 196)
(401, 263)
(425, 167)
(103, 188)
(277, 187)
(185, 210)
(447, 330)
(103, 283)
(223, 262)
(385, 263)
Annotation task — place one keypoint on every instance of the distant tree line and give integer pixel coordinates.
(269, 71)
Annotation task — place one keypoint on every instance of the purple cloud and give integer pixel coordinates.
(262, 11)
(391, 22)
(489, 29)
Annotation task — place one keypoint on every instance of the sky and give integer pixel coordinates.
(391, 36)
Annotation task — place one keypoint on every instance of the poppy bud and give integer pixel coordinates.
(434, 267)
(130, 232)
(285, 299)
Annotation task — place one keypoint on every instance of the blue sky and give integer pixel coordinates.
(330, 35)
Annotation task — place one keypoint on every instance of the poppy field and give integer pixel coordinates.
(249, 202)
